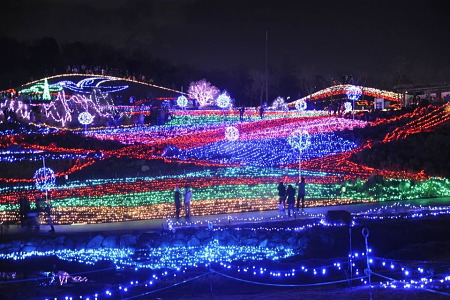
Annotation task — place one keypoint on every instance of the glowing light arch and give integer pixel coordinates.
(342, 90)
(104, 77)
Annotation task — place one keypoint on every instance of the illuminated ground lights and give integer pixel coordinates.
(268, 152)
(82, 203)
(260, 158)
(249, 264)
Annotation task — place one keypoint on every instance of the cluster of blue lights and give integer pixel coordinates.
(268, 152)
(248, 264)
(29, 155)
(173, 258)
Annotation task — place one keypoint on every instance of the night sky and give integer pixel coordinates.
(326, 37)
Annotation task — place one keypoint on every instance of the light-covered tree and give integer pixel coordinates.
(204, 92)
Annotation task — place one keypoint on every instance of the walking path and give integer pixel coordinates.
(217, 220)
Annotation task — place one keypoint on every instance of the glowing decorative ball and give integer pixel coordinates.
(300, 105)
(300, 139)
(223, 100)
(231, 133)
(85, 118)
(347, 107)
(44, 179)
(354, 92)
(278, 103)
(182, 101)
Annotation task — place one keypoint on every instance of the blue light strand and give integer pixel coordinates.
(11, 157)
(318, 271)
(168, 287)
(288, 285)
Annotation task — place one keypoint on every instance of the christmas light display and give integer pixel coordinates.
(231, 133)
(342, 89)
(203, 92)
(300, 105)
(41, 87)
(262, 144)
(20, 109)
(61, 110)
(353, 93)
(46, 93)
(88, 85)
(279, 103)
(85, 118)
(236, 176)
(425, 122)
(182, 101)
(30, 155)
(269, 152)
(44, 179)
(347, 107)
(103, 77)
(223, 100)
(300, 139)
(253, 265)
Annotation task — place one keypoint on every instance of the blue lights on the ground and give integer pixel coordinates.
(268, 152)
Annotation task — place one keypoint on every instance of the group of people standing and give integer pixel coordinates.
(29, 218)
(187, 197)
(287, 195)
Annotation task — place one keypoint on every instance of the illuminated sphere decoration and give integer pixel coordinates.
(278, 103)
(85, 118)
(347, 107)
(44, 179)
(182, 101)
(223, 100)
(300, 139)
(231, 133)
(353, 93)
(300, 105)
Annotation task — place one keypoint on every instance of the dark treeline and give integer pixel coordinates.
(21, 62)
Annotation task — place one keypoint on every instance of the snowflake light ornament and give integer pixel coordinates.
(300, 105)
(85, 118)
(300, 139)
(353, 93)
(223, 100)
(182, 101)
(231, 133)
(44, 179)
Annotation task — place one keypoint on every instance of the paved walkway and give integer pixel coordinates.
(217, 220)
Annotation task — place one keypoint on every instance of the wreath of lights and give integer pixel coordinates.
(44, 179)
(300, 139)
(85, 118)
(301, 105)
(182, 101)
(223, 101)
(231, 133)
(353, 93)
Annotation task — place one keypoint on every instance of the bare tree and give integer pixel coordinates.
(203, 91)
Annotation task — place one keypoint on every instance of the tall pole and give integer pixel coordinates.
(353, 109)
(45, 176)
(267, 68)
(299, 165)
